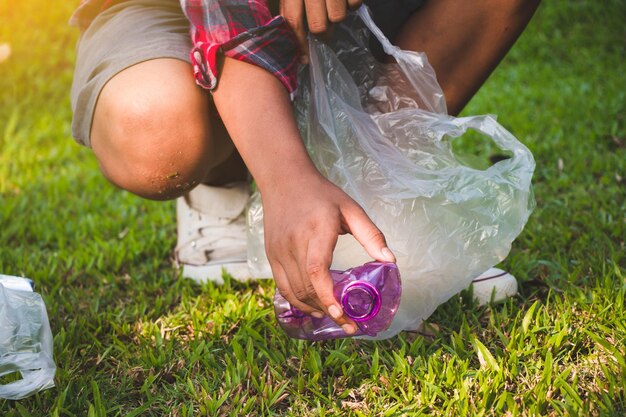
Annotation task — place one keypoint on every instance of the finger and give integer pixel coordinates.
(354, 4)
(303, 290)
(303, 287)
(285, 289)
(318, 260)
(293, 13)
(336, 10)
(367, 234)
(316, 16)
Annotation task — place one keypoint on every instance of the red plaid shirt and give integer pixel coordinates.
(240, 29)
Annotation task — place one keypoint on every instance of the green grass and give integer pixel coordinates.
(132, 339)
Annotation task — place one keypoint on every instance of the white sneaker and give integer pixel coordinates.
(494, 285)
(212, 232)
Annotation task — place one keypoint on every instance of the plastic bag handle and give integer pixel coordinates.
(434, 102)
(520, 165)
(388, 47)
(487, 124)
(32, 381)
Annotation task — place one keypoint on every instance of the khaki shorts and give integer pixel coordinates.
(135, 31)
(118, 38)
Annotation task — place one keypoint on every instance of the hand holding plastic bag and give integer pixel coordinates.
(25, 339)
(382, 134)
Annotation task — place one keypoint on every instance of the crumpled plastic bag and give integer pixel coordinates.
(25, 339)
(381, 132)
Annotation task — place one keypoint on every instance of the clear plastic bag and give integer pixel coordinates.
(381, 132)
(25, 339)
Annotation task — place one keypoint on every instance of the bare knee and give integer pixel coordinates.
(152, 149)
(151, 131)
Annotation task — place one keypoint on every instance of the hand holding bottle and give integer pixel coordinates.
(369, 295)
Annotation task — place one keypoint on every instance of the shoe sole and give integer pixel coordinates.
(214, 273)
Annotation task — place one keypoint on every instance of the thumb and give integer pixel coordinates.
(367, 234)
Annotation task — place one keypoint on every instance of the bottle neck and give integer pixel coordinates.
(360, 301)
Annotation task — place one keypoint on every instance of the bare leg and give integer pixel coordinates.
(152, 134)
(465, 40)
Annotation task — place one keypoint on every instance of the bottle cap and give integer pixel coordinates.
(360, 300)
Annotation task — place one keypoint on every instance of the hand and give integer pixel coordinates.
(303, 218)
(320, 15)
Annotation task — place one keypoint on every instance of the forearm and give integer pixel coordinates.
(303, 212)
(256, 110)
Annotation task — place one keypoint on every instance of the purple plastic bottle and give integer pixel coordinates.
(369, 294)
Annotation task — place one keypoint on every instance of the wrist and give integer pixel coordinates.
(294, 176)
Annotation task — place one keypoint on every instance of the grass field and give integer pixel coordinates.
(133, 339)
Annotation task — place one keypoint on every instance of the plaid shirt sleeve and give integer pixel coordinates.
(244, 30)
